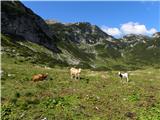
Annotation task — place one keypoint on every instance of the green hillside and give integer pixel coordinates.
(31, 46)
(100, 56)
(96, 96)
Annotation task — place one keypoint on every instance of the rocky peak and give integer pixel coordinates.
(16, 19)
(131, 37)
(49, 22)
(80, 32)
(156, 35)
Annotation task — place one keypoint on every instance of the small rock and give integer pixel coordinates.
(1, 72)
(9, 75)
(22, 115)
(44, 118)
(96, 108)
(124, 99)
(98, 97)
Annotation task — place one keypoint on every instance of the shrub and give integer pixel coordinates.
(17, 95)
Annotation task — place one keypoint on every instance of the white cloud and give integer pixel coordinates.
(152, 31)
(136, 28)
(111, 31)
(129, 28)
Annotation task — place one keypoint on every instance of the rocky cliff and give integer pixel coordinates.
(81, 32)
(19, 20)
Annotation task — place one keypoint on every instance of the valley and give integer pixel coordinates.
(31, 45)
(97, 95)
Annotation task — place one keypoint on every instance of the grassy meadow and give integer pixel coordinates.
(31, 45)
(98, 95)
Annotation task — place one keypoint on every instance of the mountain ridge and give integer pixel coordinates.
(81, 44)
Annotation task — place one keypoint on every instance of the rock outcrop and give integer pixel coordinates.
(79, 32)
(19, 20)
(156, 35)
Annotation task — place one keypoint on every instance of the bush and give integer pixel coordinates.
(17, 95)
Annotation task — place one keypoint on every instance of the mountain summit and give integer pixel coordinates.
(79, 32)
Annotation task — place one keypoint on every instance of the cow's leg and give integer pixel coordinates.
(71, 76)
(75, 76)
(78, 77)
(127, 80)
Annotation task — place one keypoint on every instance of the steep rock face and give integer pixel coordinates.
(132, 40)
(156, 35)
(81, 32)
(19, 20)
(156, 39)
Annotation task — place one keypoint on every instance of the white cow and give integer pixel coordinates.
(123, 75)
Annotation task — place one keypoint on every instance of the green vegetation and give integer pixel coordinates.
(99, 95)
(99, 56)
(96, 96)
(24, 51)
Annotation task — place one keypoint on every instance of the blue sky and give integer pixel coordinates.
(111, 16)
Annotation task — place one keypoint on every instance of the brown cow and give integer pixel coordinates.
(39, 77)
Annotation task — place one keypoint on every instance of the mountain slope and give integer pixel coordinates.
(74, 44)
(28, 52)
(79, 32)
(19, 20)
(141, 50)
(130, 52)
